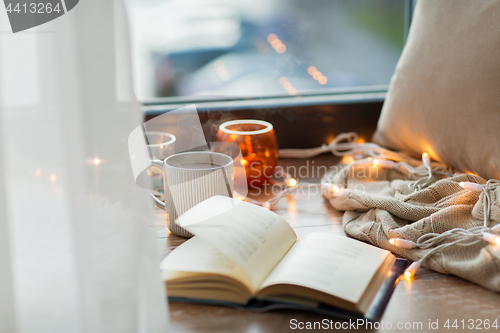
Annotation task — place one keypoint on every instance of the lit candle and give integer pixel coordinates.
(258, 145)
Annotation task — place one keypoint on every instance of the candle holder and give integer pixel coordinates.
(160, 145)
(258, 144)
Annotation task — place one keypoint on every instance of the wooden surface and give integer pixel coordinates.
(428, 297)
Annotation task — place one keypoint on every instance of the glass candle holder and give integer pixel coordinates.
(259, 147)
(161, 145)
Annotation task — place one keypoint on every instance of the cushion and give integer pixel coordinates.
(444, 97)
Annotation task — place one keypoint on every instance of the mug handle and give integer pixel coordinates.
(158, 203)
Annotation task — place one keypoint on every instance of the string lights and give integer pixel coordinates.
(423, 173)
(288, 186)
(471, 186)
(411, 270)
(330, 190)
(491, 238)
(403, 243)
(356, 152)
(439, 242)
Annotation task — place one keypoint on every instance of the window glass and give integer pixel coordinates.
(254, 48)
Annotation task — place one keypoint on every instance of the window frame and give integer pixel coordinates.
(354, 108)
(338, 96)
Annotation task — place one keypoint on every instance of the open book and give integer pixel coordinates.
(245, 255)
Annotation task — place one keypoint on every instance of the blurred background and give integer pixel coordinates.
(258, 48)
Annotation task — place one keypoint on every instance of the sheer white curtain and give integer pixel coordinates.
(77, 250)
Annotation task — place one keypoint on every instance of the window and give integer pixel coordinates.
(189, 50)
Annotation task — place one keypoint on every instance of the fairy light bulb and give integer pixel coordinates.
(491, 238)
(471, 186)
(402, 243)
(266, 205)
(292, 182)
(383, 163)
(97, 161)
(411, 270)
(426, 160)
(331, 190)
(348, 159)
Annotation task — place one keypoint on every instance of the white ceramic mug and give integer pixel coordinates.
(189, 178)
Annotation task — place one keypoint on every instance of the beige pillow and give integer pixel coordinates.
(444, 97)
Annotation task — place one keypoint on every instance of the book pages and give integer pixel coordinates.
(333, 264)
(253, 237)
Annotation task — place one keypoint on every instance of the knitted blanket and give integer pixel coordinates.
(443, 221)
